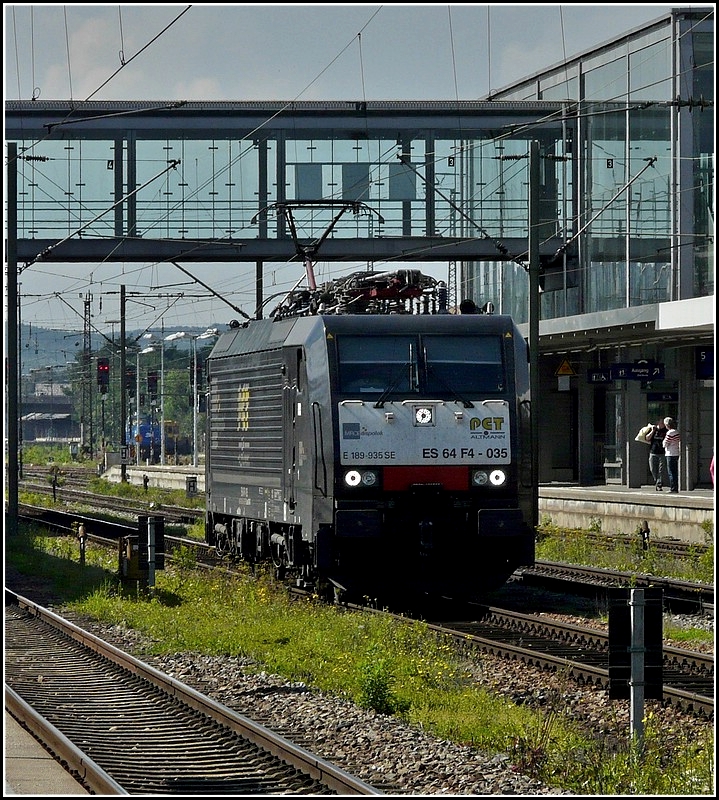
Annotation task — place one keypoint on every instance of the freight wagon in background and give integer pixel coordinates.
(150, 441)
(366, 441)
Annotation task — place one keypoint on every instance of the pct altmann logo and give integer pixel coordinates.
(350, 430)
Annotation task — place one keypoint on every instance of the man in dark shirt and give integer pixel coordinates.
(657, 458)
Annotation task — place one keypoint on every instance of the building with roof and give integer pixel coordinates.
(627, 306)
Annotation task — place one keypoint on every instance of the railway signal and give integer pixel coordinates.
(103, 374)
(152, 378)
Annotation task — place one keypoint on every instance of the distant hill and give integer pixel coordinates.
(47, 347)
(43, 347)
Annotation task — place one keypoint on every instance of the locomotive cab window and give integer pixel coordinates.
(376, 364)
(463, 364)
(444, 366)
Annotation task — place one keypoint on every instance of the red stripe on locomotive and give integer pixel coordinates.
(396, 479)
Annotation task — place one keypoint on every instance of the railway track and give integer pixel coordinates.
(664, 546)
(570, 578)
(144, 732)
(179, 515)
(578, 652)
(75, 481)
(583, 653)
(576, 578)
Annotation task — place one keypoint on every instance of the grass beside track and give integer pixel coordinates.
(393, 668)
(574, 546)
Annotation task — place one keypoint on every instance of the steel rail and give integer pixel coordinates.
(303, 760)
(90, 773)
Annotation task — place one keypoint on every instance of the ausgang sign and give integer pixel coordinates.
(637, 371)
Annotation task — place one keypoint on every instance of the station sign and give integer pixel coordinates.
(663, 397)
(637, 371)
(704, 363)
(599, 376)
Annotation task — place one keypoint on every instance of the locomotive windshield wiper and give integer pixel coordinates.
(395, 383)
(412, 382)
(457, 396)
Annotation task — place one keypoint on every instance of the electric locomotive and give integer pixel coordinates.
(369, 449)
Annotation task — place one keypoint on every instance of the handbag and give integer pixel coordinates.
(643, 433)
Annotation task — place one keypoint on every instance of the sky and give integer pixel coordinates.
(268, 52)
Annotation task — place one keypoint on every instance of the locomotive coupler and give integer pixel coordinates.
(426, 534)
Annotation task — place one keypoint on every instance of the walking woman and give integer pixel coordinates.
(657, 459)
(672, 449)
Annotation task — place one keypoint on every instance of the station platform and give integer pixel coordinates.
(684, 516)
(29, 769)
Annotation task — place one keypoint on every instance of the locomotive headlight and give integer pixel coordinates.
(356, 477)
(353, 478)
(497, 477)
(479, 478)
(369, 478)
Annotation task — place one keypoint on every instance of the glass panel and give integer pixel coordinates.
(703, 141)
(481, 284)
(355, 182)
(402, 182)
(212, 193)
(650, 195)
(650, 73)
(607, 82)
(63, 185)
(606, 285)
(566, 90)
(309, 181)
(503, 192)
(648, 283)
(607, 174)
(649, 270)
(515, 291)
(703, 54)
(615, 438)
(374, 364)
(463, 364)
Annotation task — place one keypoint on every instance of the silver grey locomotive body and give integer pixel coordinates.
(372, 452)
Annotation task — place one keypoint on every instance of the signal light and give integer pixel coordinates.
(152, 377)
(103, 374)
(196, 375)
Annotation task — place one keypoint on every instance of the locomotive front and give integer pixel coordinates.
(431, 453)
(378, 452)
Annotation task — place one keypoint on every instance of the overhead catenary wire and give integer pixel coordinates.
(124, 63)
(209, 289)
